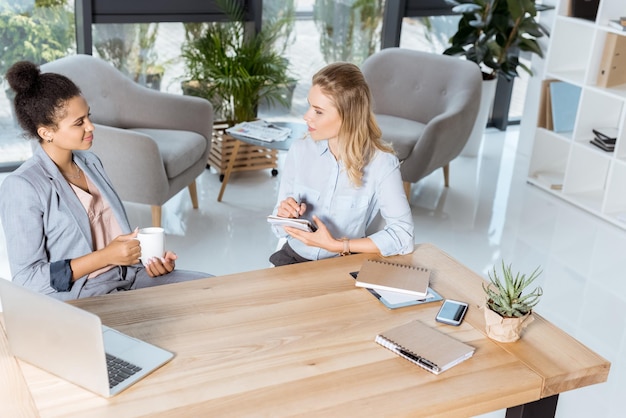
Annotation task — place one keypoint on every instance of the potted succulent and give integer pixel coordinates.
(492, 33)
(508, 309)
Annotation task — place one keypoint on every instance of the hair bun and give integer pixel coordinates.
(22, 76)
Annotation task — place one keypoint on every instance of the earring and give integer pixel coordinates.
(49, 140)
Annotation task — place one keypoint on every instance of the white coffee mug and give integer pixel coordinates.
(152, 242)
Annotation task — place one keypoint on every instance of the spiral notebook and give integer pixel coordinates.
(427, 347)
(383, 275)
(394, 300)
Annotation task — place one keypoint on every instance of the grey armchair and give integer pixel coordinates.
(425, 104)
(152, 144)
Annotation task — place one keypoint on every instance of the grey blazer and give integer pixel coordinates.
(45, 223)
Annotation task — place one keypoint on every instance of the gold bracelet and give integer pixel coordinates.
(346, 246)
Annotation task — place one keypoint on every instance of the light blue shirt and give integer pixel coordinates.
(312, 175)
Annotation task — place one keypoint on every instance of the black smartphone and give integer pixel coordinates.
(452, 312)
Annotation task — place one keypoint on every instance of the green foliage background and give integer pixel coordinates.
(39, 33)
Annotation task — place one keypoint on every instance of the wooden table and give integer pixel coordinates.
(299, 341)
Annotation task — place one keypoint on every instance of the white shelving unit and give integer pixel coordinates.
(565, 163)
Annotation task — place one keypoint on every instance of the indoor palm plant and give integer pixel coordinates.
(508, 309)
(234, 68)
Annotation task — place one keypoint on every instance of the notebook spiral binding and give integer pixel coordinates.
(407, 354)
(399, 265)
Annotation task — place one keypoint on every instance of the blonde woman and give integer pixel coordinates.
(341, 176)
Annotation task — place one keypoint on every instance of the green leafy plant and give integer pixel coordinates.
(38, 33)
(233, 68)
(491, 33)
(505, 294)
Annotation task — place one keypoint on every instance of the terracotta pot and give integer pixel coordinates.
(505, 330)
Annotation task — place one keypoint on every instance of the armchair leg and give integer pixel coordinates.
(193, 192)
(407, 189)
(446, 175)
(156, 215)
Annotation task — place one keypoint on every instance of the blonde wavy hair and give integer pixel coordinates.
(359, 134)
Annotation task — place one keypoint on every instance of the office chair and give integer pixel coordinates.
(152, 144)
(426, 105)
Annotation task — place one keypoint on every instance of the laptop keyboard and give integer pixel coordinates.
(119, 370)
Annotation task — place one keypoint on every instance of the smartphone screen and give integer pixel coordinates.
(452, 312)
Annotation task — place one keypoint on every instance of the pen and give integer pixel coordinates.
(419, 360)
(299, 202)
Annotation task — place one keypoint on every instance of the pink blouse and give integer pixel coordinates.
(104, 226)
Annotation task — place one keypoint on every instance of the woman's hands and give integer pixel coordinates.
(290, 208)
(159, 266)
(125, 250)
(321, 238)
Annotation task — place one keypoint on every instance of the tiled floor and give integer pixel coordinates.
(489, 213)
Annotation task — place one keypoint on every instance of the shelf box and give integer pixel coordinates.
(586, 174)
(570, 49)
(610, 9)
(549, 160)
(596, 110)
(585, 9)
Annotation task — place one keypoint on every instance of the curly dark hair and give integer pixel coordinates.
(40, 98)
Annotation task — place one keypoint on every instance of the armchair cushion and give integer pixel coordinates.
(177, 155)
(402, 133)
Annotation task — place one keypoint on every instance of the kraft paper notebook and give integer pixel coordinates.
(375, 274)
(425, 346)
(395, 300)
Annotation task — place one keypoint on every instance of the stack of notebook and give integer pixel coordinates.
(604, 138)
(396, 285)
(382, 275)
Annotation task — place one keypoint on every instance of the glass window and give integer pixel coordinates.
(428, 34)
(148, 53)
(35, 30)
(326, 31)
(319, 32)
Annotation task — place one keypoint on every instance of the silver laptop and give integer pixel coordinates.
(73, 344)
